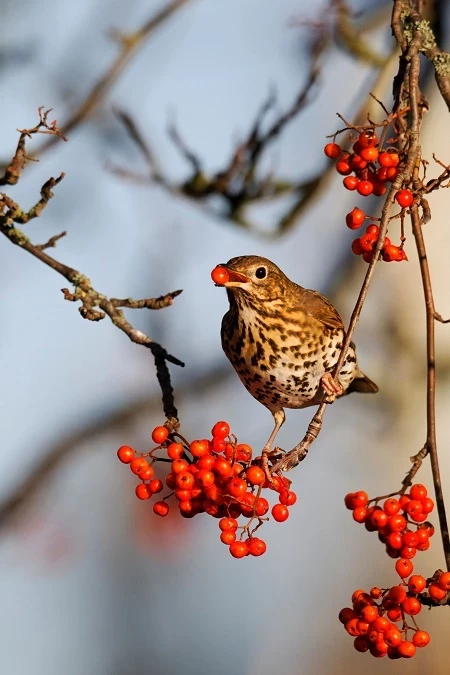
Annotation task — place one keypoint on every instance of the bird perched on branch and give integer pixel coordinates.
(284, 340)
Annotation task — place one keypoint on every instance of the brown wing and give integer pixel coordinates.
(320, 308)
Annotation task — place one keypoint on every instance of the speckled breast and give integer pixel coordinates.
(281, 363)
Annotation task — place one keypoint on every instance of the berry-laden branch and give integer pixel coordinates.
(94, 305)
(405, 120)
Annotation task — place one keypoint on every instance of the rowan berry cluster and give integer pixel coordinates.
(393, 520)
(367, 170)
(374, 624)
(216, 476)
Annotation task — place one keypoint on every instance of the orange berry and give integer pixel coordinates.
(239, 549)
(444, 581)
(205, 478)
(161, 508)
(404, 567)
(287, 497)
(412, 606)
(183, 495)
(360, 514)
(390, 253)
(156, 485)
(421, 638)
(255, 475)
(175, 450)
(376, 593)
(332, 150)
(220, 430)
(417, 583)
(346, 614)
(126, 454)
(147, 473)
(436, 592)
(139, 465)
(222, 467)
(394, 614)
(352, 627)
(199, 448)
(404, 198)
(350, 182)
(206, 462)
(427, 505)
(381, 624)
(218, 445)
(220, 275)
(159, 434)
(236, 487)
(143, 491)
(343, 167)
(179, 465)
(393, 636)
(396, 523)
(367, 139)
(228, 524)
(184, 480)
(369, 613)
(397, 594)
(228, 537)
(406, 649)
(243, 453)
(256, 547)
(364, 188)
(418, 491)
(384, 159)
(280, 513)
(369, 154)
(261, 506)
(379, 518)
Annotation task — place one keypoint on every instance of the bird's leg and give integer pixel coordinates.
(279, 417)
(331, 387)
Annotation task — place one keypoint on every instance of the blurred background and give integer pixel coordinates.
(91, 581)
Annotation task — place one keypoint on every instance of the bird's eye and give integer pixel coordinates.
(260, 273)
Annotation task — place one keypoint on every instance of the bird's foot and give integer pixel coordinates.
(269, 455)
(331, 387)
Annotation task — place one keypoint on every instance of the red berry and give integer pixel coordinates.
(360, 514)
(393, 636)
(427, 505)
(417, 583)
(369, 154)
(184, 480)
(156, 485)
(343, 167)
(287, 497)
(418, 491)
(255, 475)
(357, 163)
(391, 173)
(391, 506)
(444, 581)
(243, 452)
(139, 465)
(436, 592)
(404, 198)
(384, 159)
(367, 242)
(350, 182)
(170, 481)
(379, 518)
(143, 491)
(396, 523)
(174, 450)
(406, 649)
(218, 445)
(346, 614)
(404, 567)
(421, 638)
(199, 448)
(179, 465)
(228, 524)
(332, 150)
(236, 487)
(239, 549)
(261, 506)
(408, 552)
(161, 508)
(382, 174)
(205, 477)
(220, 275)
(367, 139)
(412, 606)
(126, 454)
(364, 188)
(369, 613)
(360, 643)
(220, 430)
(222, 467)
(206, 462)
(410, 539)
(280, 513)
(159, 435)
(356, 247)
(390, 253)
(256, 547)
(413, 508)
(355, 218)
(397, 594)
(378, 188)
(228, 537)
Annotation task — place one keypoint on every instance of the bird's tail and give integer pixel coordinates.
(362, 384)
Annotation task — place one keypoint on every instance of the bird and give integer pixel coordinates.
(284, 340)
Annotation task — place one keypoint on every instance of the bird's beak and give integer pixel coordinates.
(235, 279)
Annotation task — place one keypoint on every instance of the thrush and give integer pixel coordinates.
(284, 340)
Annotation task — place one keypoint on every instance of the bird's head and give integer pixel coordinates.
(251, 275)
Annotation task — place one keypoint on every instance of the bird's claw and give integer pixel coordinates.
(269, 455)
(331, 387)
